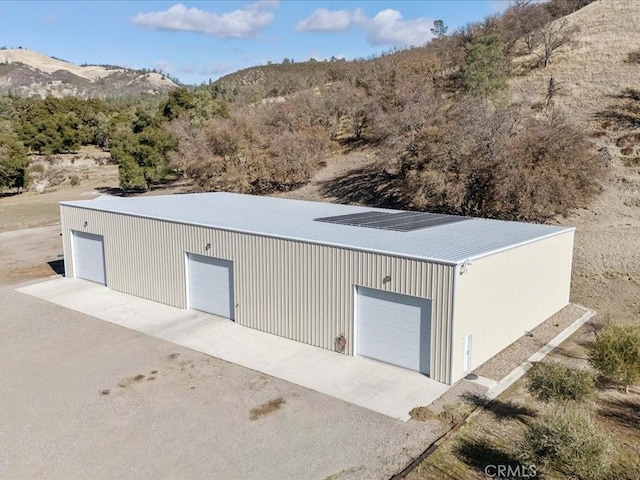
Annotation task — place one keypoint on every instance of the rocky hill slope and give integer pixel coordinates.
(25, 73)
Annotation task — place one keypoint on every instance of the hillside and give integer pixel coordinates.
(25, 73)
(591, 76)
(595, 69)
(556, 143)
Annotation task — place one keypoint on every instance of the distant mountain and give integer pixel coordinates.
(25, 73)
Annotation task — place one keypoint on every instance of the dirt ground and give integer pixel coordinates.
(84, 398)
(95, 175)
(80, 397)
(31, 209)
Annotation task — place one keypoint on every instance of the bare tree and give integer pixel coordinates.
(552, 90)
(554, 35)
(521, 23)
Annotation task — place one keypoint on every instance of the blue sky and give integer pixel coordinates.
(198, 41)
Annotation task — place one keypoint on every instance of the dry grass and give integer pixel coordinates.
(596, 69)
(492, 437)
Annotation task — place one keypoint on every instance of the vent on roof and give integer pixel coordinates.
(399, 221)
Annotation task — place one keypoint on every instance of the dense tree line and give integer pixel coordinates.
(61, 125)
(132, 129)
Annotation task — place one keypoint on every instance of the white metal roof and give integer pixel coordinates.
(453, 243)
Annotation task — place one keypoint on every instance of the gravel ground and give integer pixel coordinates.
(499, 366)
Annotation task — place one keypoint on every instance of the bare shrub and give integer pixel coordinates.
(54, 176)
(634, 57)
(632, 162)
(569, 443)
(628, 143)
(483, 161)
(276, 148)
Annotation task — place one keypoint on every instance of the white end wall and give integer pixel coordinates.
(502, 296)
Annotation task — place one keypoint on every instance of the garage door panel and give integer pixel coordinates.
(210, 283)
(88, 257)
(394, 328)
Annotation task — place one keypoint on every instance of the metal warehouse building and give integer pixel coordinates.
(434, 293)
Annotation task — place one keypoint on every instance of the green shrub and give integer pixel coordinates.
(569, 443)
(74, 180)
(556, 382)
(616, 354)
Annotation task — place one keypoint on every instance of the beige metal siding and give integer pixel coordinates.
(503, 295)
(297, 290)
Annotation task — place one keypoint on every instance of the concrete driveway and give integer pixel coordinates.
(380, 387)
(84, 398)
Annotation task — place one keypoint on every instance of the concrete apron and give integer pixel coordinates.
(383, 388)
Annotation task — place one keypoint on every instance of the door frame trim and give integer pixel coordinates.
(74, 254)
(355, 287)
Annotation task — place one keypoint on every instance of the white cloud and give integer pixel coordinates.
(323, 20)
(217, 69)
(241, 23)
(389, 28)
(163, 66)
(499, 6)
(190, 68)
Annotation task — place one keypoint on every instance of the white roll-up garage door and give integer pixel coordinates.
(394, 328)
(210, 285)
(88, 257)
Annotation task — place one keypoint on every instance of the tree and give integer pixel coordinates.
(522, 22)
(552, 36)
(14, 162)
(616, 354)
(485, 68)
(179, 101)
(556, 382)
(562, 8)
(143, 157)
(57, 125)
(439, 29)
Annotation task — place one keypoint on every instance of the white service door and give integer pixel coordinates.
(394, 328)
(466, 360)
(88, 256)
(210, 285)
